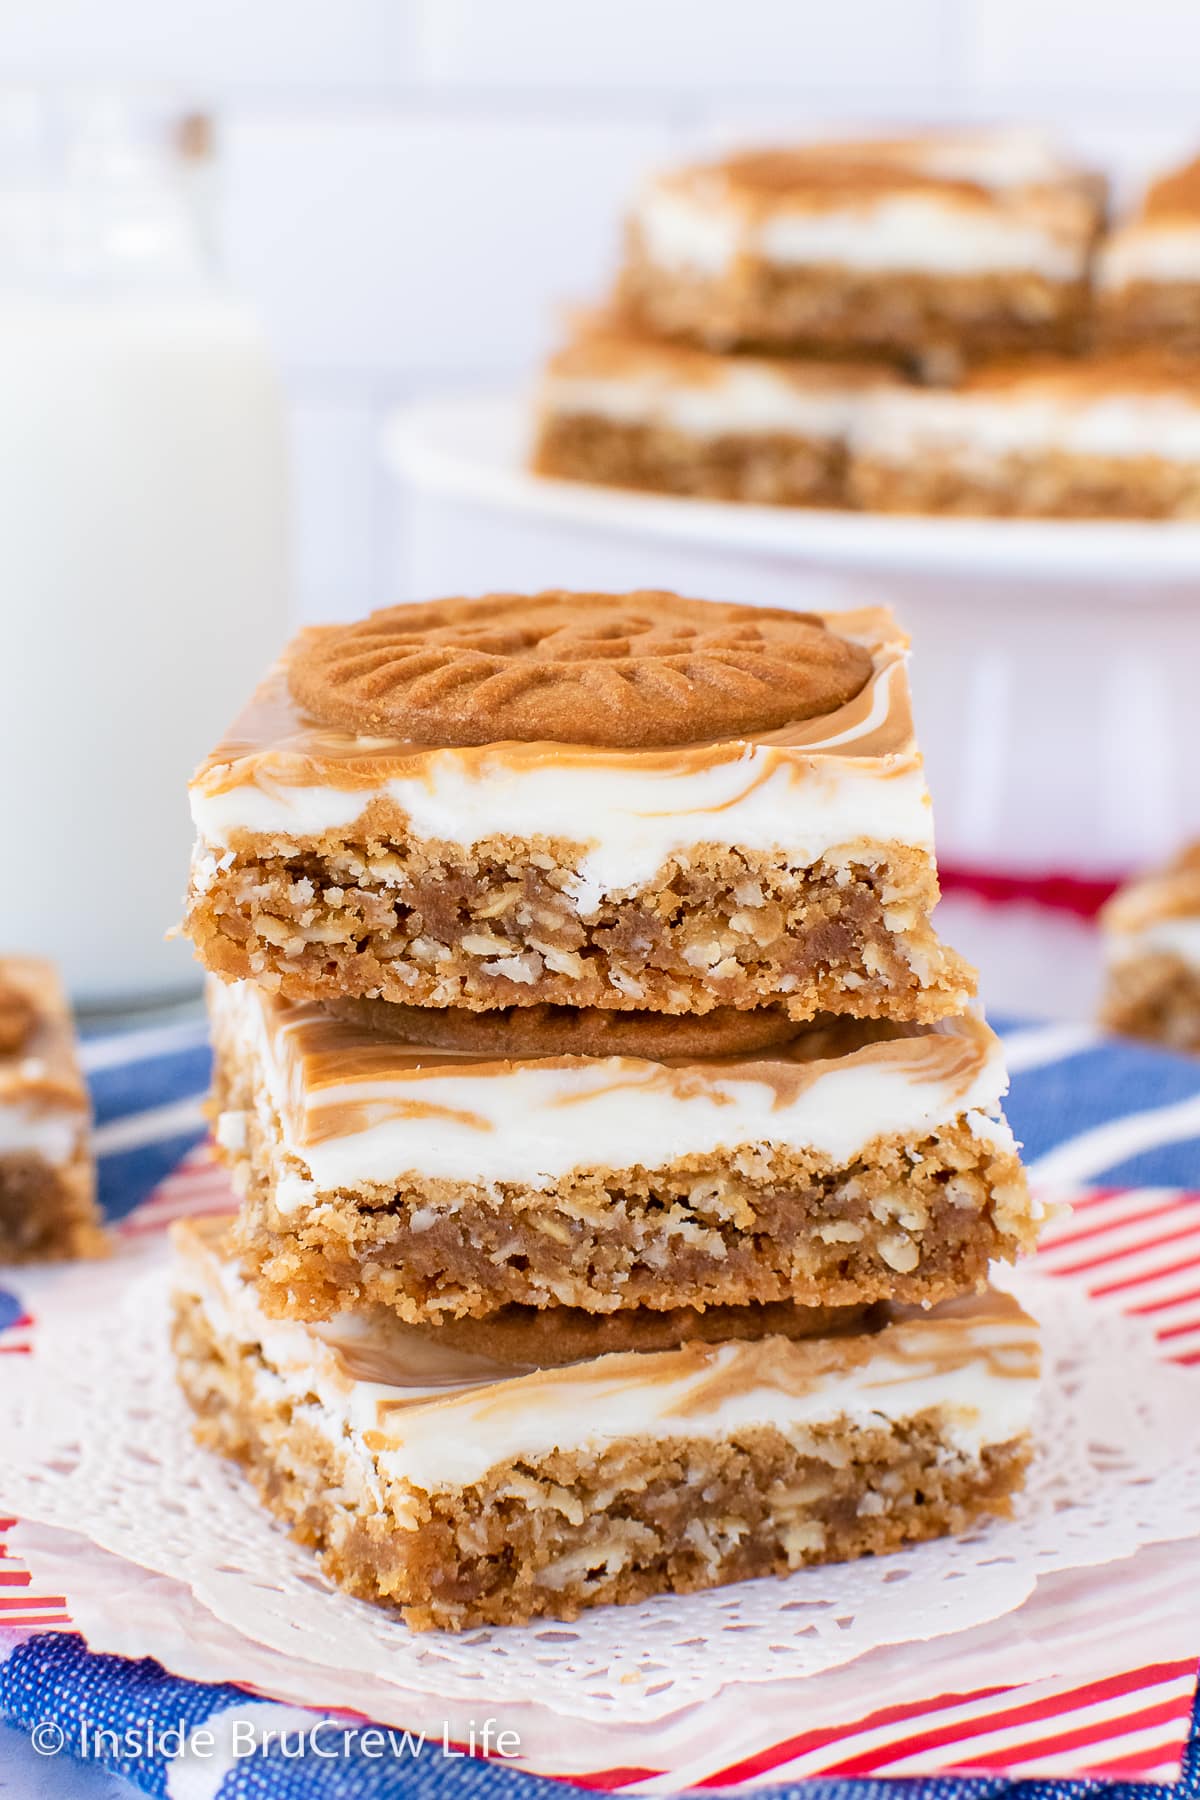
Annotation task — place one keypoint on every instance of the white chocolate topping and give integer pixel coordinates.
(980, 203)
(357, 1109)
(44, 1106)
(1018, 156)
(1161, 241)
(1166, 250)
(854, 775)
(1157, 914)
(711, 397)
(53, 1135)
(402, 1404)
(899, 234)
(1095, 409)
(1179, 938)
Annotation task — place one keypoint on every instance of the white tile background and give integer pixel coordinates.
(409, 186)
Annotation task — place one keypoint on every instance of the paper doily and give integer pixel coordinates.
(98, 1441)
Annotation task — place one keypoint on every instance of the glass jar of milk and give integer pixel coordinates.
(142, 526)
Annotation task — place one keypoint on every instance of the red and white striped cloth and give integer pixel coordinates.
(198, 1188)
(1136, 1250)
(22, 1604)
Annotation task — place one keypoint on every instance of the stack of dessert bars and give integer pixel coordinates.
(619, 1160)
(938, 323)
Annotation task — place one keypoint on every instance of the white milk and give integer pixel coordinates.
(142, 592)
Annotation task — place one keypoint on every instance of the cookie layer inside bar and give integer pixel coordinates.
(47, 1176)
(855, 1164)
(791, 866)
(465, 1491)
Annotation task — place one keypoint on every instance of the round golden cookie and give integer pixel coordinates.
(17, 1018)
(630, 671)
(552, 1336)
(528, 1031)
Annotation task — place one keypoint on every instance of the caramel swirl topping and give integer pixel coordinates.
(628, 671)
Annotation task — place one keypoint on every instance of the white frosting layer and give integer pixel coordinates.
(1125, 423)
(919, 233)
(1151, 253)
(54, 1136)
(747, 397)
(1178, 937)
(455, 1437)
(631, 814)
(1014, 157)
(534, 1122)
(634, 820)
(44, 1107)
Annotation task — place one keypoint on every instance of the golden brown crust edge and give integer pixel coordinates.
(491, 1553)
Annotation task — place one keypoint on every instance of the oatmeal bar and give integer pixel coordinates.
(630, 411)
(627, 801)
(1152, 941)
(469, 1489)
(47, 1175)
(971, 244)
(1148, 270)
(1114, 436)
(835, 1167)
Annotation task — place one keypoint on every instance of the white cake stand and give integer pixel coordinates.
(1057, 664)
(474, 448)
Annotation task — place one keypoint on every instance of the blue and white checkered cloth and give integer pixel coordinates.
(1087, 1110)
